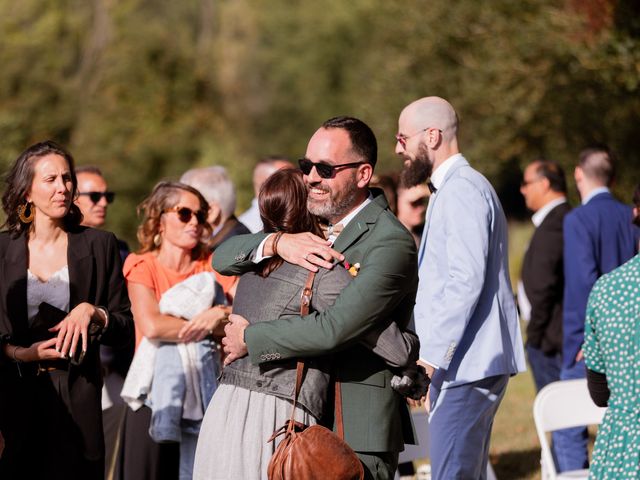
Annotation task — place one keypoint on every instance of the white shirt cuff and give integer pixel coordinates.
(429, 363)
(258, 256)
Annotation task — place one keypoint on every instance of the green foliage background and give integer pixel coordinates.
(149, 88)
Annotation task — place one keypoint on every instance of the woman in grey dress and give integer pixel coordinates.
(252, 401)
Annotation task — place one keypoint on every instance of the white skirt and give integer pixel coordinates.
(233, 438)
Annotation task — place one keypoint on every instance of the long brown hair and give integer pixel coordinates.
(283, 208)
(19, 181)
(163, 196)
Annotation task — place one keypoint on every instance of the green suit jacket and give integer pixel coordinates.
(376, 418)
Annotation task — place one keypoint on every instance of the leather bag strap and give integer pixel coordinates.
(338, 410)
(305, 303)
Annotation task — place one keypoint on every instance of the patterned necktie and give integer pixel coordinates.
(329, 230)
(431, 188)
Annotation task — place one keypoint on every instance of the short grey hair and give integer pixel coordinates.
(215, 185)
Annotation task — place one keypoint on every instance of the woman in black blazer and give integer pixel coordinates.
(50, 375)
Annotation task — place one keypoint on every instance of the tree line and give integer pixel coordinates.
(149, 88)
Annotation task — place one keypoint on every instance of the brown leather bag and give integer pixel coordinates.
(309, 453)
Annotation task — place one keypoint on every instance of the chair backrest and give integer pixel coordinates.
(561, 405)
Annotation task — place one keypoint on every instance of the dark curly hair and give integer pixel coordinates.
(283, 208)
(20, 178)
(166, 195)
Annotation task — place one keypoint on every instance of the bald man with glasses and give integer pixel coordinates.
(465, 314)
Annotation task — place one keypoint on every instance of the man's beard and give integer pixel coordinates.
(337, 205)
(418, 170)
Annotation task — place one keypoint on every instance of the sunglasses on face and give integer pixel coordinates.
(95, 197)
(185, 214)
(324, 169)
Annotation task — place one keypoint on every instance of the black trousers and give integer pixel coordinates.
(141, 457)
(42, 440)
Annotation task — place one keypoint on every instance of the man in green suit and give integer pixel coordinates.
(337, 168)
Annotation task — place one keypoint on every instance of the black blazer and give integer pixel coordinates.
(95, 276)
(543, 280)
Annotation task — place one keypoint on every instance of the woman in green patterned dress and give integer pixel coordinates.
(612, 355)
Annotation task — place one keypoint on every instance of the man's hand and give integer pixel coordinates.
(428, 368)
(305, 249)
(430, 371)
(233, 340)
(424, 400)
(580, 355)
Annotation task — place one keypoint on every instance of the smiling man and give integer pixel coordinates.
(337, 168)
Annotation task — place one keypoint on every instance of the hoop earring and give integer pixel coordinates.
(22, 209)
(157, 240)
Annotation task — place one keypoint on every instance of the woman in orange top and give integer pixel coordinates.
(172, 249)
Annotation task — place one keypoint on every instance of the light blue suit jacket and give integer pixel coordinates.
(465, 314)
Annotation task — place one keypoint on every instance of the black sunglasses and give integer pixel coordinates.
(185, 214)
(324, 169)
(95, 197)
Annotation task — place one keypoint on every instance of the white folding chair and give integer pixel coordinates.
(559, 405)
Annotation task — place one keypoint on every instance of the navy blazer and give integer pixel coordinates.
(598, 237)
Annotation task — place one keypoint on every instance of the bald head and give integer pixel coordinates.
(432, 112)
(427, 137)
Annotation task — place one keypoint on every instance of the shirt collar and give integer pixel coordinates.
(332, 237)
(356, 210)
(437, 177)
(594, 192)
(542, 213)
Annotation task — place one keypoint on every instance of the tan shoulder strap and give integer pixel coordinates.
(305, 303)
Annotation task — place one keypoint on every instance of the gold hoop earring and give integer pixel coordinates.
(22, 213)
(157, 240)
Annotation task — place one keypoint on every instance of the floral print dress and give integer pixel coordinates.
(612, 347)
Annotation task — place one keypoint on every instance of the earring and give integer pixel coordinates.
(22, 209)
(157, 239)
